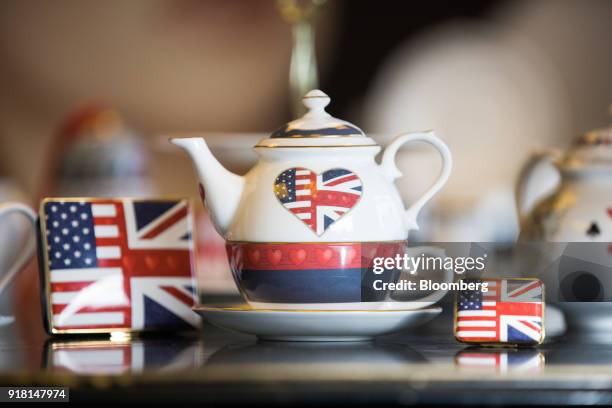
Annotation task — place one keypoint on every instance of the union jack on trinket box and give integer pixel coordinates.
(112, 265)
(510, 312)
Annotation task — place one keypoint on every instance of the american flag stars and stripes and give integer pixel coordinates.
(511, 311)
(318, 200)
(119, 264)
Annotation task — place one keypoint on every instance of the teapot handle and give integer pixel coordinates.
(391, 171)
(526, 177)
(20, 260)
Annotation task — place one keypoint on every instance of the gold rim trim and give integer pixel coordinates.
(395, 241)
(314, 147)
(321, 135)
(247, 308)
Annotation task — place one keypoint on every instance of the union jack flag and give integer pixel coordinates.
(511, 311)
(318, 200)
(119, 264)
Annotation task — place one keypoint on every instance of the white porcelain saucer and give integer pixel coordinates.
(315, 325)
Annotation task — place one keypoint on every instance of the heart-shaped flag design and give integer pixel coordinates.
(318, 200)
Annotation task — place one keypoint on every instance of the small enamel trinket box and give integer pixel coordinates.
(112, 265)
(509, 312)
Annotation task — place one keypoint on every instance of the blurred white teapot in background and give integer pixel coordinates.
(580, 209)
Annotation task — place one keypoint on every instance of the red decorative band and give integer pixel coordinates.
(265, 256)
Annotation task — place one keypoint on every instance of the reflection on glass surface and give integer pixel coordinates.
(95, 357)
(590, 348)
(500, 360)
(299, 353)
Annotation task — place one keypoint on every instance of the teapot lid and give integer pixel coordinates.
(594, 148)
(317, 128)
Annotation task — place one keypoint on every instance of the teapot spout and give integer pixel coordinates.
(221, 188)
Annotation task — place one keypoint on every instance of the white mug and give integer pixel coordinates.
(13, 208)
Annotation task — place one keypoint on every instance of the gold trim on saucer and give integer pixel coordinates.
(247, 308)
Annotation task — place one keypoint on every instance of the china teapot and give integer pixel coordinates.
(580, 209)
(301, 225)
(572, 227)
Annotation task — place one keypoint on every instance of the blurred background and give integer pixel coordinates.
(90, 92)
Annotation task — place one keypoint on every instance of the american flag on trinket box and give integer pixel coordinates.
(510, 312)
(118, 264)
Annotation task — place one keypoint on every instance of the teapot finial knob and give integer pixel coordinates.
(316, 100)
